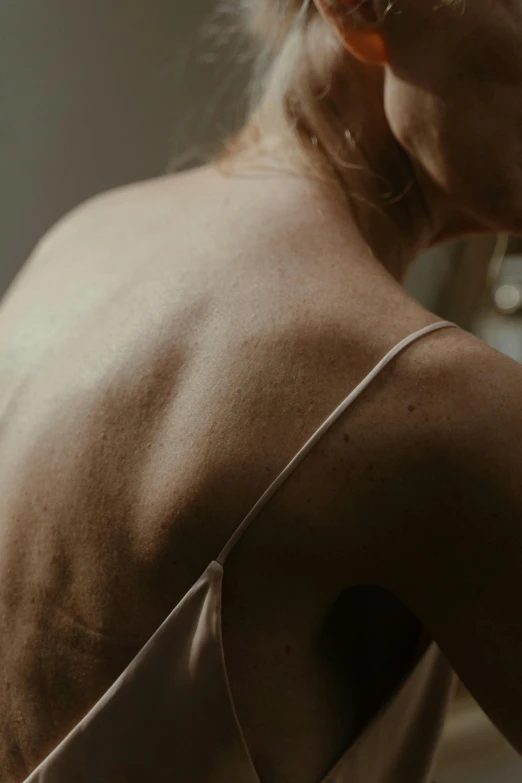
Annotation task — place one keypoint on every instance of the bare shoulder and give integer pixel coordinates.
(476, 401)
(473, 390)
(97, 211)
(116, 221)
(456, 532)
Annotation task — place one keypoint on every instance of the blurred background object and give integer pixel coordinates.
(497, 316)
(95, 95)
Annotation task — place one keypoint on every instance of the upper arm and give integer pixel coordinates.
(456, 535)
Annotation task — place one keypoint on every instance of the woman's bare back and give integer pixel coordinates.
(163, 356)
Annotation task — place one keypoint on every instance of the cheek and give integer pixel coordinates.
(470, 146)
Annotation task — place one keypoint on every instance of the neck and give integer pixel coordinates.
(345, 137)
(381, 187)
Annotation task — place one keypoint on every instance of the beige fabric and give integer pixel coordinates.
(171, 714)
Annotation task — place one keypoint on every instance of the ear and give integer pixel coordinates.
(356, 22)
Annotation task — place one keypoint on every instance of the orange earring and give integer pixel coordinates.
(372, 49)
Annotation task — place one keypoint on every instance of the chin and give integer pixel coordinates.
(494, 210)
(478, 195)
(514, 227)
(504, 218)
(462, 222)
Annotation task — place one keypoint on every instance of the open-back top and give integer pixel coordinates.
(170, 716)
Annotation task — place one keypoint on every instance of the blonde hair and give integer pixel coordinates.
(291, 106)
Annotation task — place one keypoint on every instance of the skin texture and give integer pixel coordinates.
(165, 390)
(170, 346)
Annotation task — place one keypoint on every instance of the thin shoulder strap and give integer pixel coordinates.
(301, 454)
